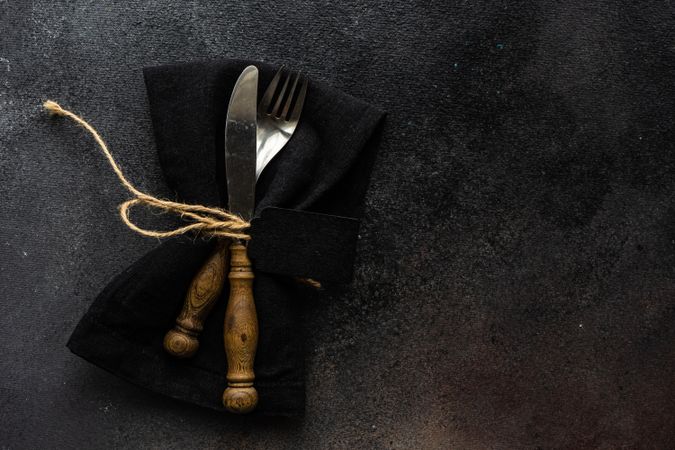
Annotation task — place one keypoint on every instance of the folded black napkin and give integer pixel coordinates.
(307, 202)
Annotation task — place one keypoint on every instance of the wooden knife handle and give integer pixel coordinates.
(182, 341)
(240, 335)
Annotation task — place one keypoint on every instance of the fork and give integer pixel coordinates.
(277, 117)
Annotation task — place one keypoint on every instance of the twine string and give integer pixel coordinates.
(208, 220)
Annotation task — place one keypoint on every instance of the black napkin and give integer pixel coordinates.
(307, 202)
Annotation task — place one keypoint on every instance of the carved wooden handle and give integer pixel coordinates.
(240, 334)
(182, 341)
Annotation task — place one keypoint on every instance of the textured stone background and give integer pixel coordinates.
(516, 278)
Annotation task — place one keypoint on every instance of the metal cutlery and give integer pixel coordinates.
(274, 123)
(241, 323)
(251, 141)
(278, 115)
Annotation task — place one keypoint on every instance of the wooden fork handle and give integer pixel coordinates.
(183, 340)
(240, 335)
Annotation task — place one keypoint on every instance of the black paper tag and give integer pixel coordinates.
(304, 244)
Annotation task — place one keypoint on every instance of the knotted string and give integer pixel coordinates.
(203, 219)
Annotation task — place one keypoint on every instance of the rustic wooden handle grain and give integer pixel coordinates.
(182, 341)
(240, 335)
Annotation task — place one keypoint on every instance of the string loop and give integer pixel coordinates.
(207, 220)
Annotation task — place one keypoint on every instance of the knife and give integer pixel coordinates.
(241, 323)
(274, 129)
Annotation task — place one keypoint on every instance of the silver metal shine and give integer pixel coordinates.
(278, 115)
(240, 144)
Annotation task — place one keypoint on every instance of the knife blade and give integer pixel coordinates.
(240, 144)
(240, 330)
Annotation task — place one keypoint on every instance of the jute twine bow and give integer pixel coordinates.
(208, 220)
(204, 219)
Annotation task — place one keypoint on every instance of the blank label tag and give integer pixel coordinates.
(304, 244)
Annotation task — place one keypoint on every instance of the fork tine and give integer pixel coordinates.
(277, 105)
(289, 99)
(266, 100)
(297, 109)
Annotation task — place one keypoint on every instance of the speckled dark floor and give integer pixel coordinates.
(515, 285)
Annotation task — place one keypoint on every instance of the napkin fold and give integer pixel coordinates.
(308, 201)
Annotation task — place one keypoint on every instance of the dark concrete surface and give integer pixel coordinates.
(516, 274)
